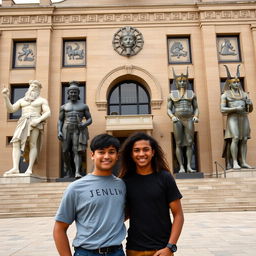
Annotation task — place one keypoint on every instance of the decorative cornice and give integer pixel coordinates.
(156, 104)
(238, 15)
(25, 20)
(142, 17)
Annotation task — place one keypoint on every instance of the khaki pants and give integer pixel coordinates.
(140, 253)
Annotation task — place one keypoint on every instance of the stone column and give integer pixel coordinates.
(212, 87)
(43, 75)
(253, 28)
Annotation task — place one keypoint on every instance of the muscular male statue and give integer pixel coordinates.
(235, 103)
(27, 135)
(183, 111)
(73, 131)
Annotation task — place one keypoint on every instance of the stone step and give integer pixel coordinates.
(199, 195)
(220, 209)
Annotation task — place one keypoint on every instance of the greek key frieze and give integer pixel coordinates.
(58, 19)
(228, 14)
(143, 17)
(91, 18)
(20, 20)
(6, 20)
(159, 17)
(127, 17)
(41, 19)
(75, 19)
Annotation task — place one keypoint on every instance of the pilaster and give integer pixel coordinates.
(212, 87)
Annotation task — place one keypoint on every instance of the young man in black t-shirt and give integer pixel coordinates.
(151, 194)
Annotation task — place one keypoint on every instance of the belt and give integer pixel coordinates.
(102, 250)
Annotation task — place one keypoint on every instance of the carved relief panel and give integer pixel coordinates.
(74, 53)
(127, 41)
(179, 50)
(228, 48)
(24, 54)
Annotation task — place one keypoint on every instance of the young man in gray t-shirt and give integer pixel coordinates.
(96, 204)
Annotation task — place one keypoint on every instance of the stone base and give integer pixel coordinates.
(189, 175)
(65, 179)
(21, 178)
(239, 173)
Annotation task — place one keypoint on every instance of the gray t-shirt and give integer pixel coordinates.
(96, 204)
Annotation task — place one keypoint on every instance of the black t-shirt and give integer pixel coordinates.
(148, 198)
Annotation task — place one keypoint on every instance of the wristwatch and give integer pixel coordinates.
(172, 247)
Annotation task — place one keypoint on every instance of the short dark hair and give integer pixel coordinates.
(104, 141)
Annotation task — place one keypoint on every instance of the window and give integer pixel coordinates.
(17, 92)
(128, 98)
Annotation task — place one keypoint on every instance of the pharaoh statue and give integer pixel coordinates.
(27, 135)
(182, 108)
(74, 119)
(235, 103)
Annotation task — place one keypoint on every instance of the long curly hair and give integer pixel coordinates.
(128, 166)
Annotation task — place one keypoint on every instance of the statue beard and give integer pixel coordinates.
(31, 95)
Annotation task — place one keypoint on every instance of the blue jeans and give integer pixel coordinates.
(83, 252)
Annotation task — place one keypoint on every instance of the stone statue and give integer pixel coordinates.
(235, 103)
(73, 130)
(183, 111)
(27, 135)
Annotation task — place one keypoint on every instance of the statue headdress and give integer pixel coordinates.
(127, 31)
(178, 77)
(74, 85)
(230, 79)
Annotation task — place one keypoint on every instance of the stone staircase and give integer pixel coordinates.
(199, 195)
(213, 195)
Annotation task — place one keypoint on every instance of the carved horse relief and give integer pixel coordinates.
(76, 53)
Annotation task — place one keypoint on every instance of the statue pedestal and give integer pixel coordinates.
(189, 175)
(65, 179)
(21, 178)
(240, 173)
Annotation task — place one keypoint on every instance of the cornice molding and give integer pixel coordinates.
(25, 20)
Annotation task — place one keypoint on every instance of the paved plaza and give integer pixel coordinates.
(204, 234)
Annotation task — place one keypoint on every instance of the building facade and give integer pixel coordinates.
(127, 89)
